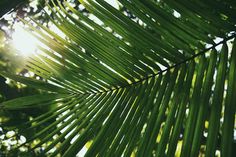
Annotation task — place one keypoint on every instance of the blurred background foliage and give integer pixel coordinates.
(9, 89)
(10, 12)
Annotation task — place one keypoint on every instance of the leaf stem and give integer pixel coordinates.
(173, 66)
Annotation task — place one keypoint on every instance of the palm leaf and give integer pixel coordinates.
(135, 86)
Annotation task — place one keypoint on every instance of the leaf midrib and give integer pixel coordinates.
(170, 67)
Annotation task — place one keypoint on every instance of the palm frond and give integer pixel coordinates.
(135, 85)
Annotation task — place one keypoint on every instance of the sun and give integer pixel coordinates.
(23, 41)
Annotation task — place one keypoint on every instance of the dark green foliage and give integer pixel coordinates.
(140, 87)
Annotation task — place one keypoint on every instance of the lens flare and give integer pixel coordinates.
(24, 42)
